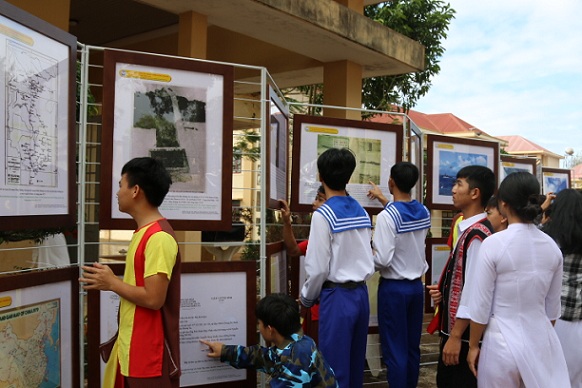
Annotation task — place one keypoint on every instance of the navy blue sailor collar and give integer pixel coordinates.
(344, 213)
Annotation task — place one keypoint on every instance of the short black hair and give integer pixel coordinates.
(151, 176)
(335, 167)
(493, 203)
(520, 191)
(479, 177)
(404, 175)
(281, 312)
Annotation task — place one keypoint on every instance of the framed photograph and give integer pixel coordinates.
(39, 322)
(37, 95)
(510, 164)
(446, 156)
(222, 314)
(181, 112)
(437, 255)
(377, 148)
(415, 156)
(277, 278)
(278, 150)
(555, 180)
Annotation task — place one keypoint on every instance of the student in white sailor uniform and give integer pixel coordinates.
(399, 236)
(338, 262)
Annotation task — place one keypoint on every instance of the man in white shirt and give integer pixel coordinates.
(473, 188)
(338, 262)
(399, 241)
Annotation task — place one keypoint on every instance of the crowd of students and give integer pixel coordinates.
(505, 284)
(511, 275)
(510, 289)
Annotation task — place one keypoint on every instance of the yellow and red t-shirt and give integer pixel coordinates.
(153, 250)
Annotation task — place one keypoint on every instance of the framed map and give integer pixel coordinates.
(222, 314)
(446, 156)
(37, 122)
(179, 111)
(555, 180)
(510, 164)
(377, 148)
(437, 254)
(39, 327)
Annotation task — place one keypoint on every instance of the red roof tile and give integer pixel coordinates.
(521, 144)
(577, 172)
(446, 123)
(449, 124)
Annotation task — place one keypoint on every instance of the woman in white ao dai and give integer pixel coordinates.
(516, 298)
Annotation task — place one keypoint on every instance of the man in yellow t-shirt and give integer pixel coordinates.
(150, 289)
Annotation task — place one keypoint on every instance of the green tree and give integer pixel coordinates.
(314, 94)
(425, 21)
(571, 161)
(90, 105)
(246, 145)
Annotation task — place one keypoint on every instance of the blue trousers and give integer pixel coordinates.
(344, 316)
(400, 314)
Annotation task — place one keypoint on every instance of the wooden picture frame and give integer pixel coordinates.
(446, 156)
(277, 269)
(277, 150)
(199, 291)
(510, 164)
(437, 253)
(416, 157)
(177, 110)
(377, 147)
(555, 180)
(43, 303)
(38, 189)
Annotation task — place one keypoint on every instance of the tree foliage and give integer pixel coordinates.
(247, 145)
(313, 94)
(90, 105)
(571, 161)
(425, 21)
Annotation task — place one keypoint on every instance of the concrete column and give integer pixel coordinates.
(189, 253)
(192, 35)
(342, 86)
(56, 12)
(354, 5)
(192, 42)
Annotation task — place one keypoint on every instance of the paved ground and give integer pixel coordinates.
(428, 360)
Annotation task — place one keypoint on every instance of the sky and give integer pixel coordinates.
(514, 67)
